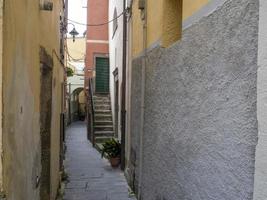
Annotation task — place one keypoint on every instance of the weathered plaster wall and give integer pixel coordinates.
(25, 29)
(200, 128)
(1, 97)
(260, 192)
(49, 38)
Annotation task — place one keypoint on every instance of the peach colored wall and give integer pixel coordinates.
(93, 49)
(97, 14)
(97, 36)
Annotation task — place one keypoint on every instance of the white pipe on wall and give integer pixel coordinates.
(143, 86)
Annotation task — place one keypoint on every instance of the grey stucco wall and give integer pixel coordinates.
(132, 171)
(200, 129)
(260, 179)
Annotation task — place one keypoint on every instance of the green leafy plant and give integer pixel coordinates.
(70, 72)
(112, 148)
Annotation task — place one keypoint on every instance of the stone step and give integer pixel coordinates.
(103, 122)
(97, 101)
(103, 112)
(104, 133)
(103, 127)
(102, 139)
(101, 95)
(103, 117)
(102, 107)
(101, 99)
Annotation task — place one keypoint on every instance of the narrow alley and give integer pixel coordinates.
(89, 176)
(133, 99)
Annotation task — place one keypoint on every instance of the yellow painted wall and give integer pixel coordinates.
(137, 26)
(49, 38)
(76, 52)
(25, 29)
(1, 65)
(191, 6)
(156, 19)
(77, 49)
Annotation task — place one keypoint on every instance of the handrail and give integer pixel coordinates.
(92, 122)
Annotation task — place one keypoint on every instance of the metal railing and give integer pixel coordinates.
(91, 113)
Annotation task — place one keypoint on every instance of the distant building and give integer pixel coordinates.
(97, 73)
(97, 45)
(75, 57)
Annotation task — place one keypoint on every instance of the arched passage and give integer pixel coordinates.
(77, 105)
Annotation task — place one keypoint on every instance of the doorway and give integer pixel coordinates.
(102, 75)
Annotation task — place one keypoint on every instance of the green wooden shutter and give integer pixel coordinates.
(102, 75)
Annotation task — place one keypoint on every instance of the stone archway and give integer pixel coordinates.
(76, 105)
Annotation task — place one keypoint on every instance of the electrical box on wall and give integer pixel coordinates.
(141, 4)
(46, 5)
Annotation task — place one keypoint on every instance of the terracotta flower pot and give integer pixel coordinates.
(115, 162)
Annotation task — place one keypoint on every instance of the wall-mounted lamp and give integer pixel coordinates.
(46, 5)
(73, 32)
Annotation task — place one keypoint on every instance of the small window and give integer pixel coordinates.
(115, 21)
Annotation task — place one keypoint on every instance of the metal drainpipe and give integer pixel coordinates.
(123, 107)
(143, 85)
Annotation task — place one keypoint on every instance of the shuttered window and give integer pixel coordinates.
(102, 75)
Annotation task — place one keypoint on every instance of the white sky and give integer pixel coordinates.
(78, 13)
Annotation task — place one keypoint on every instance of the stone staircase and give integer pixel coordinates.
(103, 125)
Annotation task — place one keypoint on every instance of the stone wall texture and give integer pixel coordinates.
(200, 122)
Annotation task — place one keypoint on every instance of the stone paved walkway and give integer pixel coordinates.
(90, 177)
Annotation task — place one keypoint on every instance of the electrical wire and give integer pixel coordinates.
(101, 24)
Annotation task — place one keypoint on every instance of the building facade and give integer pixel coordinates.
(116, 61)
(75, 58)
(32, 85)
(197, 98)
(97, 44)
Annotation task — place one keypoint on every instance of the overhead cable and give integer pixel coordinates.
(101, 24)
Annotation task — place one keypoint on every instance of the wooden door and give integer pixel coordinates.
(102, 75)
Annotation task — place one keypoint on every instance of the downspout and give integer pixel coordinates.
(123, 98)
(143, 87)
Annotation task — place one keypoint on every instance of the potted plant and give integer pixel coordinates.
(112, 149)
